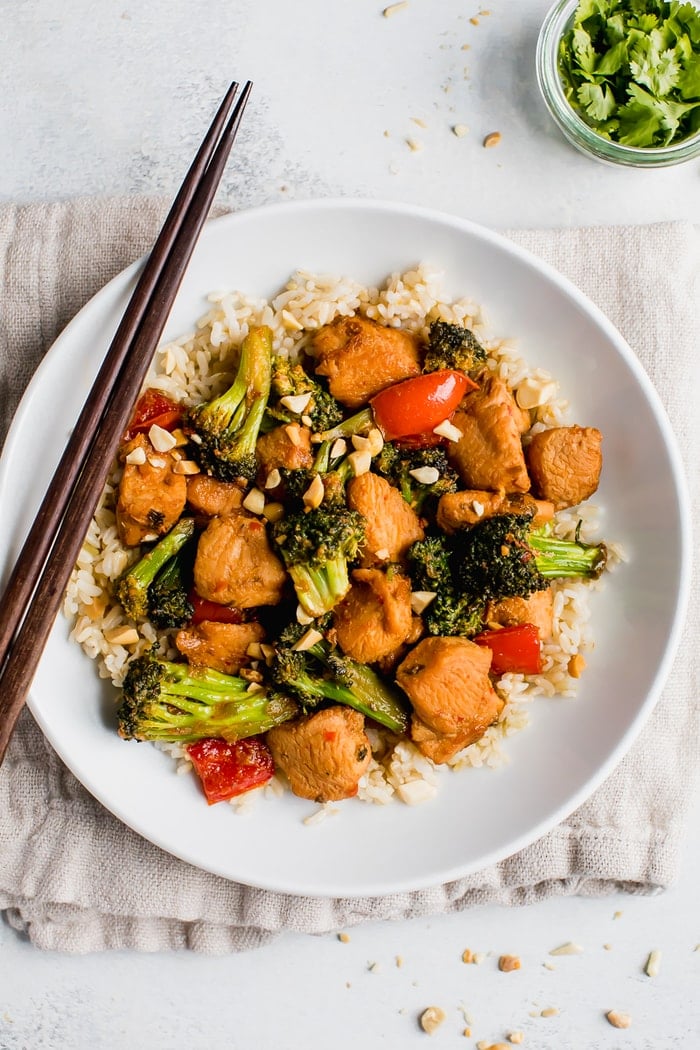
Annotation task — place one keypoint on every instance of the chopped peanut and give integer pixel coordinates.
(617, 1019)
(431, 1019)
(507, 963)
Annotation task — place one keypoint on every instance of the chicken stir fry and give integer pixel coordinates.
(362, 539)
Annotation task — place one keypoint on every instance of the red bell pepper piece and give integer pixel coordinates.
(204, 609)
(153, 407)
(517, 649)
(227, 770)
(415, 406)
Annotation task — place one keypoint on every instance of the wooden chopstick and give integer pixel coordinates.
(35, 590)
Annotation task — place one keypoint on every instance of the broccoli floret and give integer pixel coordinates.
(453, 610)
(134, 587)
(320, 672)
(169, 605)
(291, 380)
(175, 703)
(503, 557)
(316, 547)
(361, 423)
(226, 429)
(453, 346)
(399, 466)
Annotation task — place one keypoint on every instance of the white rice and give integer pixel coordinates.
(197, 367)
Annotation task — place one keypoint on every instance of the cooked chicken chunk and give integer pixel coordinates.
(151, 497)
(454, 703)
(286, 446)
(375, 616)
(212, 498)
(388, 664)
(537, 608)
(565, 464)
(489, 455)
(391, 526)
(235, 564)
(322, 755)
(361, 357)
(460, 510)
(223, 646)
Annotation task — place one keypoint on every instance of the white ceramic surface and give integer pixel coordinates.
(563, 755)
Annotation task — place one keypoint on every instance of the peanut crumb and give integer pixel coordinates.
(460, 130)
(485, 14)
(374, 967)
(617, 1019)
(393, 9)
(479, 957)
(467, 1033)
(576, 666)
(507, 963)
(431, 1019)
(344, 938)
(474, 20)
(653, 964)
(399, 961)
(466, 47)
(549, 1011)
(467, 956)
(549, 966)
(419, 121)
(617, 915)
(516, 1038)
(492, 139)
(567, 949)
(607, 947)
(414, 145)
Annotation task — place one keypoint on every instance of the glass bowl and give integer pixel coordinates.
(574, 128)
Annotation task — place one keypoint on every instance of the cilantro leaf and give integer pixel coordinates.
(597, 100)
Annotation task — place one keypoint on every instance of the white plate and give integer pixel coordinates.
(480, 816)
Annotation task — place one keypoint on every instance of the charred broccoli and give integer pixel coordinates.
(291, 380)
(453, 611)
(225, 430)
(138, 587)
(316, 547)
(176, 703)
(169, 605)
(453, 346)
(421, 475)
(503, 557)
(320, 672)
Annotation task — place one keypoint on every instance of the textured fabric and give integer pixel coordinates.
(58, 879)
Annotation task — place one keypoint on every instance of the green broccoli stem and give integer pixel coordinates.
(320, 588)
(557, 558)
(367, 693)
(322, 460)
(132, 588)
(361, 421)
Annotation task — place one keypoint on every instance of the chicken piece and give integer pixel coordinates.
(391, 526)
(565, 464)
(460, 510)
(223, 646)
(441, 747)
(151, 497)
(235, 564)
(361, 357)
(212, 498)
(375, 616)
(454, 703)
(287, 446)
(322, 755)
(537, 608)
(489, 454)
(388, 664)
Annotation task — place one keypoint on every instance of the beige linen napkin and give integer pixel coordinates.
(58, 879)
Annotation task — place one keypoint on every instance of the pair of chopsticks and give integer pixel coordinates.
(38, 582)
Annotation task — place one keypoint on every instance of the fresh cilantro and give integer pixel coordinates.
(631, 69)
